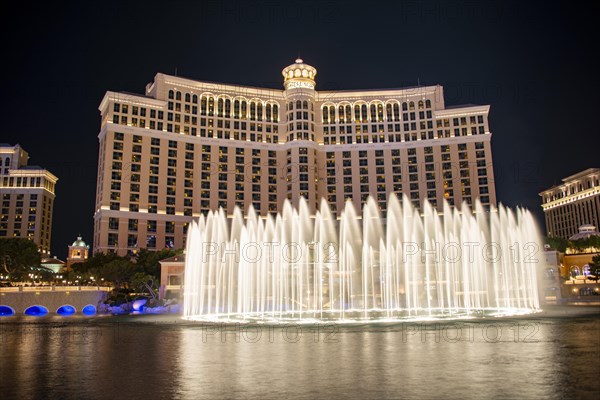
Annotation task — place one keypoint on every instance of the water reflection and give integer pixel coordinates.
(121, 357)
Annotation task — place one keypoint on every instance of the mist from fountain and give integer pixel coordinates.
(302, 267)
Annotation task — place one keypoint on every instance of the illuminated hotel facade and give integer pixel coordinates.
(27, 193)
(574, 203)
(187, 147)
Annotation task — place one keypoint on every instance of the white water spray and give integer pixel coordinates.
(298, 266)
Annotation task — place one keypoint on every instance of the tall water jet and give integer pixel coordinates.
(297, 266)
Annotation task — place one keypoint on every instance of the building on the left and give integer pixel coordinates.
(27, 193)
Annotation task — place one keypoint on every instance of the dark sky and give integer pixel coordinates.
(530, 62)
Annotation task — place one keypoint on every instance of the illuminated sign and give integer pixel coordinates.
(300, 85)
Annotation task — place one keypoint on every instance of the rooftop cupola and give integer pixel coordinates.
(299, 76)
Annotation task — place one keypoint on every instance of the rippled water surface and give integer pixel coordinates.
(551, 355)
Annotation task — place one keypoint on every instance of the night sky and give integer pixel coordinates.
(531, 63)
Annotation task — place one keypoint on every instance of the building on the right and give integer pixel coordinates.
(574, 203)
(578, 269)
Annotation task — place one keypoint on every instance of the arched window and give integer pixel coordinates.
(404, 106)
(379, 112)
(228, 108)
(428, 103)
(244, 109)
(341, 114)
(252, 111)
(268, 112)
(421, 104)
(171, 94)
(178, 96)
(332, 114)
(236, 108)
(325, 115)
(195, 99)
(211, 106)
(259, 111)
(275, 113)
(373, 113)
(388, 112)
(575, 271)
(357, 113)
(298, 105)
(348, 113)
(188, 97)
(396, 112)
(220, 107)
(411, 105)
(305, 105)
(291, 106)
(363, 111)
(203, 106)
(586, 270)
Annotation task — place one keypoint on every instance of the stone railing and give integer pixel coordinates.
(55, 288)
(580, 280)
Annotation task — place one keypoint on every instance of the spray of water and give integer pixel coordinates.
(412, 265)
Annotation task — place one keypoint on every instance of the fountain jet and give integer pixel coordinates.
(302, 267)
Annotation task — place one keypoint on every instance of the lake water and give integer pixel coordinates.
(551, 355)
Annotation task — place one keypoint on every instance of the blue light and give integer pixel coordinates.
(6, 311)
(89, 310)
(66, 310)
(138, 305)
(36, 311)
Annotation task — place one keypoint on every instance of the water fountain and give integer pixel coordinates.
(415, 264)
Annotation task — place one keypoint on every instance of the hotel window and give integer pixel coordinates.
(131, 240)
(113, 239)
(151, 227)
(170, 227)
(113, 223)
(132, 225)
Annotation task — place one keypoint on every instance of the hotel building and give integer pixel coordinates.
(186, 147)
(574, 203)
(27, 193)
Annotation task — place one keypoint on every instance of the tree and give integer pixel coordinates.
(18, 255)
(123, 271)
(557, 243)
(595, 266)
(96, 262)
(118, 271)
(148, 261)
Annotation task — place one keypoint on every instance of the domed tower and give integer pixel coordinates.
(299, 83)
(78, 252)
